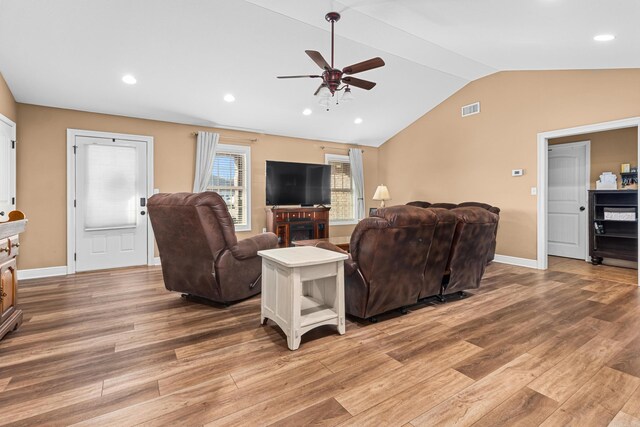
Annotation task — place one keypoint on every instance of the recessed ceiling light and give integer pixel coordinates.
(357, 121)
(229, 98)
(604, 37)
(129, 79)
(306, 111)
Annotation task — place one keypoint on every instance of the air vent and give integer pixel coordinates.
(471, 109)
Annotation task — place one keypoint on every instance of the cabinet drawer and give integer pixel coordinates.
(9, 247)
(5, 248)
(14, 246)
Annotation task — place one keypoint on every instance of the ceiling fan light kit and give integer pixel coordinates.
(336, 80)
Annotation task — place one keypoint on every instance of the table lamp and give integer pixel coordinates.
(382, 194)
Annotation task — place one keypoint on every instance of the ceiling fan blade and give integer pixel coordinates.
(369, 64)
(298, 77)
(318, 59)
(362, 84)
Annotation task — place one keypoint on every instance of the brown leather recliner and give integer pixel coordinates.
(492, 209)
(389, 256)
(472, 242)
(199, 251)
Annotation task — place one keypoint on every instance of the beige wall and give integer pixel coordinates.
(42, 170)
(7, 102)
(608, 150)
(445, 158)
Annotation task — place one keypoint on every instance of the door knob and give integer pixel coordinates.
(582, 208)
(1, 213)
(142, 213)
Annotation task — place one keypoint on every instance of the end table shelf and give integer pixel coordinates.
(313, 311)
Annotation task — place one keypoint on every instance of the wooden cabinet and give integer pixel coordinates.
(613, 221)
(8, 288)
(10, 314)
(291, 224)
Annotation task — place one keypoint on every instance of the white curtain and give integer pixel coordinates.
(357, 174)
(205, 153)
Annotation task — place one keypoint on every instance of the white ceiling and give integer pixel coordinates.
(187, 54)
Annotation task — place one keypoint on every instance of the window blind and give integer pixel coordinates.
(342, 200)
(229, 180)
(110, 186)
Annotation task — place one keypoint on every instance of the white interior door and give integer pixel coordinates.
(568, 184)
(111, 187)
(7, 168)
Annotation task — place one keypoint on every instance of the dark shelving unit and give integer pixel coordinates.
(618, 238)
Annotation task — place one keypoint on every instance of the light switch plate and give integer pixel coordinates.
(517, 172)
(534, 191)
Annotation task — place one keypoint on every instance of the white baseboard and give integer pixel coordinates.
(520, 262)
(36, 273)
(156, 260)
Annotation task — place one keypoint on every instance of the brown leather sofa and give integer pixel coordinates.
(492, 209)
(395, 255)
(199, 251)
(473, 240)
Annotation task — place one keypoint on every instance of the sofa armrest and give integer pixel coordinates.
(248, 248)
(350, 266)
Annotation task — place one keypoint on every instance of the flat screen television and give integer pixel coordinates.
(303, 184)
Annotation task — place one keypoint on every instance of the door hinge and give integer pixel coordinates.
(75, 148)
(13, 144)
(75, 256)
(13, 200)
(74, 203)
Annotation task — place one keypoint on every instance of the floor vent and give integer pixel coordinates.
(471, 109)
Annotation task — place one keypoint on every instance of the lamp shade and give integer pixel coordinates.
(382, 193)
(347, 95)
(324, 92)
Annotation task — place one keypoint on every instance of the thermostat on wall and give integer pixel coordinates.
(517, 172)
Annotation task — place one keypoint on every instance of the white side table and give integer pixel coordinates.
(302, 288)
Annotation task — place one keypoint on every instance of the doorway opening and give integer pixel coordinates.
(547, 195)
(109, 178)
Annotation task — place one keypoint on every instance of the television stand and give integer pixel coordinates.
(292, 224)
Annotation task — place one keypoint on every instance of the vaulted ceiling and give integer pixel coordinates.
(187, 54)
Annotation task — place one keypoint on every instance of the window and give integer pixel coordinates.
(231, 179)
(343, 200)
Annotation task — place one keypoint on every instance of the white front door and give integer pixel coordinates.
(568, 184)
(111, 187)
(7, 168)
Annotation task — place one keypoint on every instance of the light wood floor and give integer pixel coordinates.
(553, 348)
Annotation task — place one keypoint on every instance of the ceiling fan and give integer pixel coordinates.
(333, 78)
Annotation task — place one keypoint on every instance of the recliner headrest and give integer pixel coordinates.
(475, 215)
(419, 204)
(444, 205)
(403, 215)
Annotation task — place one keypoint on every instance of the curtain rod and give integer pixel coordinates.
(322, 147)
(234, 138)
